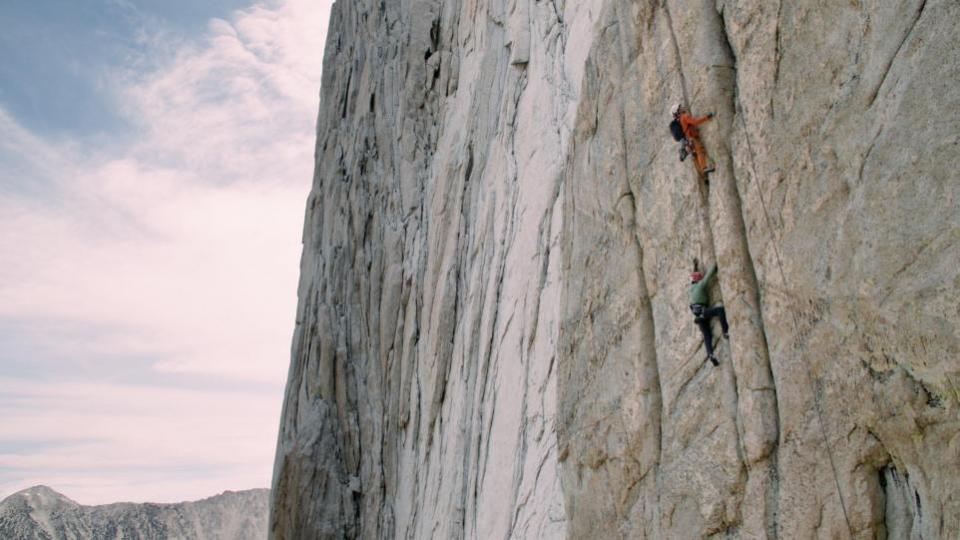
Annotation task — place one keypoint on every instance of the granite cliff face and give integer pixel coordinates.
(493, 337)
(43, 514)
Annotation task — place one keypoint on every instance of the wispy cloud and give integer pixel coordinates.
(103, 443)
(175, 249)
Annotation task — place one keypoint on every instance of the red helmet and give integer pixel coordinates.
(696, 276)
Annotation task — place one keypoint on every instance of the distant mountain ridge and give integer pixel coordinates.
(44, 514)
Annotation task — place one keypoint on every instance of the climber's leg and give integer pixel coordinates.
(700, 158)
(704, 325)
(718, 311)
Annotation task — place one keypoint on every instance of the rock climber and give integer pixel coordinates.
(702, 313)
(684, 128)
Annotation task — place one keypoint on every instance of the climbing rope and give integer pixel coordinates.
(796, 323)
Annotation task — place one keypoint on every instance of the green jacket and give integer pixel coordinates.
(698, 290)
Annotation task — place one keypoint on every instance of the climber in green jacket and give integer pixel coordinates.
(702, 312)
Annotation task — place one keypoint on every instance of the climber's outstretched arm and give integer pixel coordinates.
(710, 273)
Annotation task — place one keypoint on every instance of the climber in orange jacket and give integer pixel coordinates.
(684, 126)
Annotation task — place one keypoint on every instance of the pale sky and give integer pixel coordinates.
(155, 158)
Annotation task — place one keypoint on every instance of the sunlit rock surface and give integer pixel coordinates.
(493, 338)
(43, 514)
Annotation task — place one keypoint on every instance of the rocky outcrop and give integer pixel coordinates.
(493, 337)
(42, 513)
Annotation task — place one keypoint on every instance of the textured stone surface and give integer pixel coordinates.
(493, 338)
(43, 514)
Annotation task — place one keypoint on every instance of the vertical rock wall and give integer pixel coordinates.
(833, 217)
(493, 337)
(422, 393)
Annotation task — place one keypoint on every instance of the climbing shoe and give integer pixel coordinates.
(726, 336)
(713, 360)
(709, 170)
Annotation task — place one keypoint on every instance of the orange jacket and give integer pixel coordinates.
(689, 124)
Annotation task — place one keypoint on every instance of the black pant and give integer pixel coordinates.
(702, 315)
